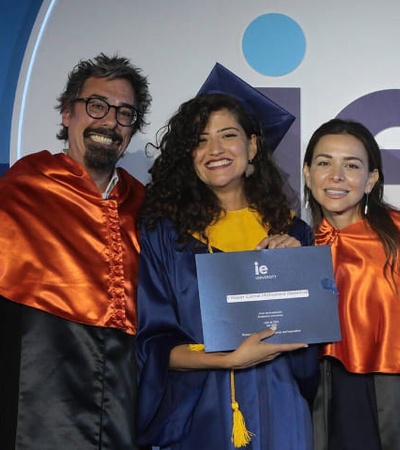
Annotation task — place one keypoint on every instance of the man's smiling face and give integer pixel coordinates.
(97, 144)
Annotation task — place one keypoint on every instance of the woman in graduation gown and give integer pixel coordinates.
(359, 399)
(214, 188)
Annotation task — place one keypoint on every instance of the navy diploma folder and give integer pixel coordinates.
(290, 288)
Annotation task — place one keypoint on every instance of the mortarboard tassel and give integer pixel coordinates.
(241, 436)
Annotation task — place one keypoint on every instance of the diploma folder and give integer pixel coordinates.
(290, 288)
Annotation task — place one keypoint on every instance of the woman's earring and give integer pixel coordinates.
(366, 205)
(249, 169)
(307, 202)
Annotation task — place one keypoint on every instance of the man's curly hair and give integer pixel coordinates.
(176, 192)
(111, 68)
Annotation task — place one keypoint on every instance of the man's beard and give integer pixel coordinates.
(100, 158)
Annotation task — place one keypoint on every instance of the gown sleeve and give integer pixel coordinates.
(301, 231)
(304, 363)
(167, 398)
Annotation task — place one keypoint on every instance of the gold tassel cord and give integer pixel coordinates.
(196, 347)
(241, 436)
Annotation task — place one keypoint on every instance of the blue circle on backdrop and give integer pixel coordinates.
(274, 44)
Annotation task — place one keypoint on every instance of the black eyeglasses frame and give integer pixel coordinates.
(87, 101)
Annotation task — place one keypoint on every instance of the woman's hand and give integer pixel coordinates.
(250, 352)
(254, 350)
(278, 241)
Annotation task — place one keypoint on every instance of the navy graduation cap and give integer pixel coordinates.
(274, 119)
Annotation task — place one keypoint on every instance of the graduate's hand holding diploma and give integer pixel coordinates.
(278, 241)
(252, 351)
(256, 350)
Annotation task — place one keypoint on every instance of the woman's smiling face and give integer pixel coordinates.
(339, 176)
(222, 156)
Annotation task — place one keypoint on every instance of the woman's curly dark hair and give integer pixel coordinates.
(176, 192)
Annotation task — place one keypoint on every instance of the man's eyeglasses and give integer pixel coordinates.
(97, 108)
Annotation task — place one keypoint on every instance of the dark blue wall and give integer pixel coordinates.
(16, 21)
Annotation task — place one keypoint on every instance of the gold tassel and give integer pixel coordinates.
(241, 436)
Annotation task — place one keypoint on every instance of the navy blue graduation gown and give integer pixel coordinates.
(191, 410)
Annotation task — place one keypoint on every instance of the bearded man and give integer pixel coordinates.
(69, 269)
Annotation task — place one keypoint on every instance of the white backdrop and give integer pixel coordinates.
(352, 50)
